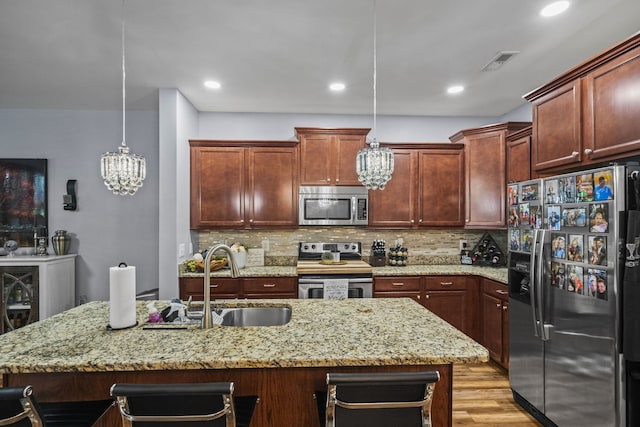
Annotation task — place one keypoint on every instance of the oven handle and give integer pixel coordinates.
(303, 280)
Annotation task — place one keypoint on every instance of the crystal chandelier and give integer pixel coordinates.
(374, 164)
(122, 172)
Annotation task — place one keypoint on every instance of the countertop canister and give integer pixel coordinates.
(61, 242)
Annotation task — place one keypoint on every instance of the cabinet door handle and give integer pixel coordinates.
(446, 284)
(588, 151)
(328, 179)
(337, 179)
(412, 221)
(501, 292)
(251, 221)
(213, 285)
(575, 154)
(498, 305)
(420, 220)
(426, 296)
(397, 284)
(269, 285)
(505, 308)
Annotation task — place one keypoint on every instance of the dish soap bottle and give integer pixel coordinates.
(154, 316)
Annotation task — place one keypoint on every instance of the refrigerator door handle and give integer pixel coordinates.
(534, 285)
(544, 330)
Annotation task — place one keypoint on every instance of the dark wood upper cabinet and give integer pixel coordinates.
(396, 205)
(589, 115)
(244, 184)
(272, 187)
(519, 155)
(485, 173)
(328, 155)
(426, 189)
(217, 186)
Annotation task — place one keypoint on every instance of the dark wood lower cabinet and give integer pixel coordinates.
(494, 302)
(398, 287)
(243, 287)
(453, 298)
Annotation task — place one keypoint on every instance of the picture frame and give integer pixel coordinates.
(599, 217)
(23, 200)
(575, 248)
(574, 217)
(584, 187)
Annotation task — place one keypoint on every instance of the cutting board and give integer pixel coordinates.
(315, 267)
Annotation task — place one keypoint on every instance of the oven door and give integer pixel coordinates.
(312, 286)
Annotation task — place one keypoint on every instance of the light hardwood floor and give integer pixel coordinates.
(482, 397)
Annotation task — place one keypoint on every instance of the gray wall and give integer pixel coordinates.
(281, 126)
(106, 229)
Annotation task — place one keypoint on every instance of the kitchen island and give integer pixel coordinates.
(73, 356)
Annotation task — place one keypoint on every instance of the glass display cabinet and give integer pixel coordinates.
(33, 288)
(19, 297)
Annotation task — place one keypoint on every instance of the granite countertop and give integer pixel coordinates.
(499, 274)
(353, 332)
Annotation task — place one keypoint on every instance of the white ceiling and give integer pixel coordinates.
(280, 55)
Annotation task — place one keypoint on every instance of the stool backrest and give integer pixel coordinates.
(164, 405)
(18, 408)
(380, 399)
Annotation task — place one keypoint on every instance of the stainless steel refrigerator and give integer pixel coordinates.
(566, 258)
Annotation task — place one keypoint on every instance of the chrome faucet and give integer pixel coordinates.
(206, 319)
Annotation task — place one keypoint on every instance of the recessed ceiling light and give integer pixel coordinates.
(455, 89)
(337, 87)
(212, 84)
(555, 8)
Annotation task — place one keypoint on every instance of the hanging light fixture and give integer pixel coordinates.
(122, 172)
(374, 164)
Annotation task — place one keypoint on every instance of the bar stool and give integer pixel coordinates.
(203, 404)
(19, 408)
(378, 399)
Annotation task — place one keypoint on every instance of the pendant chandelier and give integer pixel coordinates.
(374, 164)
(123, 172)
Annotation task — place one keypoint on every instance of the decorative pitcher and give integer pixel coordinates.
(61, 242)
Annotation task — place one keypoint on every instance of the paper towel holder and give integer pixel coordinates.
(109, 327)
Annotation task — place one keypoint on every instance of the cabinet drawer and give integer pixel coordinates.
(396, 284)
(445, 283)
(221, 285)
(495, 289)
(270, 285)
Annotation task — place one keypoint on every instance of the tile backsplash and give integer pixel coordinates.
(424, 246)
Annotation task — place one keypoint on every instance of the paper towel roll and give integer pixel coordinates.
(122, 296)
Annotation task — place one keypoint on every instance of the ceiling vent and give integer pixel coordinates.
(499, 60)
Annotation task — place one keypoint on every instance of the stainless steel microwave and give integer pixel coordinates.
(335, 205)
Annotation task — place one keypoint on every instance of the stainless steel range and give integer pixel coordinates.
(347, 277)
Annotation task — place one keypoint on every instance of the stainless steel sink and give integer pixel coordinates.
(255, 316)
